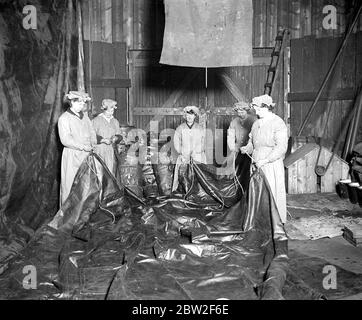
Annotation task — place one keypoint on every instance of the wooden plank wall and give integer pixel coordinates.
(310, 61)
(302, 17)
(139, 23)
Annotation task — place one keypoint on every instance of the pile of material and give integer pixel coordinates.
(353, 234)
(106, 244)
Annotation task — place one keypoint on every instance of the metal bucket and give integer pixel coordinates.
(342, 188)
(359, 194)
(352, 192)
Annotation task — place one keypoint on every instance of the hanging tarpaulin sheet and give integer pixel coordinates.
(208, 33)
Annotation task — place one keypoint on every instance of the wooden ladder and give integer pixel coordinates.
(273, 70)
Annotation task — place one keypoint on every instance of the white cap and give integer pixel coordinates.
(108, 103)
(192, 109)
(264, 99)
(81, 95)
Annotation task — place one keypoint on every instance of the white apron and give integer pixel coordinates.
(269, 137)
(106, 129)
(74, 133)
(190, 144)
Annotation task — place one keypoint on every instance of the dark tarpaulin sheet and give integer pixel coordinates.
(208, 33)
(36, 67)
(108, 244)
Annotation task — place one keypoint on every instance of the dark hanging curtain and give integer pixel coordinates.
(36, 68)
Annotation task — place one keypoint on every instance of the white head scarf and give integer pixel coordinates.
(264, 99)
(191, 109)
(78, 95)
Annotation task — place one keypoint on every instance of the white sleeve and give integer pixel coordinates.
(66, 136)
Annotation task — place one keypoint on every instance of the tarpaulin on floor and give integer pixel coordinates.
(208, 33)
(108, 244)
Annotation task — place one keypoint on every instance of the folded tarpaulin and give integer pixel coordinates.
(208, 33)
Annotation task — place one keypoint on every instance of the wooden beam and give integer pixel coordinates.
(342, 94)
(111, 83)
(261, 56)
(175, 95)
(261, 60)
(232, 87)
(154, 110)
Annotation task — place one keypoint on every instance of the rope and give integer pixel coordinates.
(134, 241)
(91, 168)
(235, 176)
(113, 216)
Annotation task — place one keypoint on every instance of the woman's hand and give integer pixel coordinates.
(87, 148)
(246, 149)
(261, 163)
(185, 158)
(106, 141)
(114, 139)
(243, 150)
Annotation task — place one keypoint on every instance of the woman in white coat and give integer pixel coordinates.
(268, 145)
(108, 132)
(78, 138)
(189, 141)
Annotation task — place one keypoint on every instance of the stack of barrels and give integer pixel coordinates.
(352, 190)
(129, 168)
(151, 177)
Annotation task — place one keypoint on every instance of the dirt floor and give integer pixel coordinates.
(311, 256)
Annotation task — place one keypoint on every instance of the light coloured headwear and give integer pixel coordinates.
(264, 99)
(192, 109)
(241, 105)
(108, 103)
(81, 95)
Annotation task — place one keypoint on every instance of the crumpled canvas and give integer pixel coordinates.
(107, 244)
(208, 33)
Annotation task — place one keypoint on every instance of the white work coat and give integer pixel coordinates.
(269, 140)
(238, 132)
(75, 133)
(190, 144)
(106, 128)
